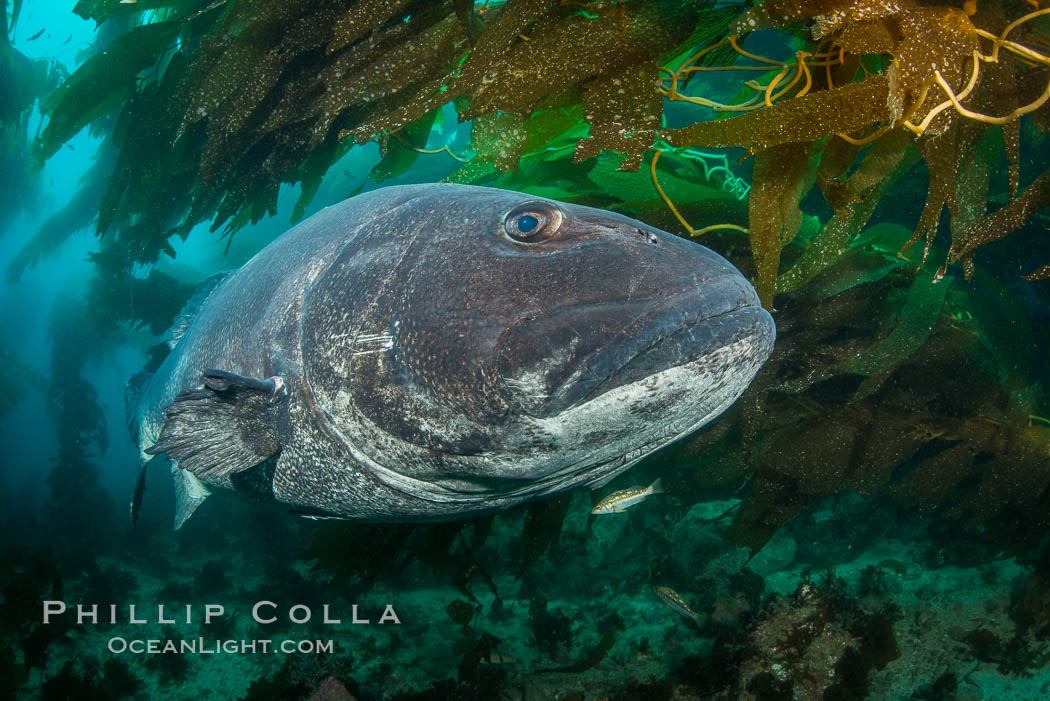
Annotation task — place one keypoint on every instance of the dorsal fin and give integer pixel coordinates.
(190, 309)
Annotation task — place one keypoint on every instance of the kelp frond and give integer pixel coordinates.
(870, 73)
(221, 103)
(258, 94)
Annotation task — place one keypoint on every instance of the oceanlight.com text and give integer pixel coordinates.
(211, 646)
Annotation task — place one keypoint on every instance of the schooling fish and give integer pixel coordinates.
(620, 501)
(435, 352)
(675, 602)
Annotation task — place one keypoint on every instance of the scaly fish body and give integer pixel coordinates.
(435, 352)
(620, 501)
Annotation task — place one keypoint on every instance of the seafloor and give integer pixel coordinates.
(853, 601)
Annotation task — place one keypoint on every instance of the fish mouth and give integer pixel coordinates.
(619, 342)
(679, 341)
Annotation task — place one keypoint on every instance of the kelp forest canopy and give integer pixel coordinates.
(906, 366)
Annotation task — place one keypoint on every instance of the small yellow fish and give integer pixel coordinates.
(675, 602)
(624, 499)
(496, 657)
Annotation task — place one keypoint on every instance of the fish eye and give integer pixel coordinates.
(532, 222)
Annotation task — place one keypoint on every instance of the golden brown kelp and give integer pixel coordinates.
(853, 200)
(241, 96)
(952, 72)
(780, 175)
(101, 83)
(848, 402)
(889, 384)
(258, 93)
(1005, 220)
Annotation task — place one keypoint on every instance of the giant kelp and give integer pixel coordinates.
(895, 76)
(222, 102)
(16, 377)
(891, 385)
(246, 95)
(22, 83)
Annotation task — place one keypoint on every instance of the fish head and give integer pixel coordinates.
(500, 345)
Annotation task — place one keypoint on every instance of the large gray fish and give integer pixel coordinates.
(433, 352)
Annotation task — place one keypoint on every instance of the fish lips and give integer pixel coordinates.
(562, 359)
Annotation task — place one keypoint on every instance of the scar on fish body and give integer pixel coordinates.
(436, 352)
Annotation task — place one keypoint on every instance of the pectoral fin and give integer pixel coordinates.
(225, 427)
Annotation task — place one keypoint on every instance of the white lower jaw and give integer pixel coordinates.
(710, 385)
(592, 443)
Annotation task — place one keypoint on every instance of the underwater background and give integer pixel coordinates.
(870, 520)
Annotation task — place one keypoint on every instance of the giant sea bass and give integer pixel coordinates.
(434, 352)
